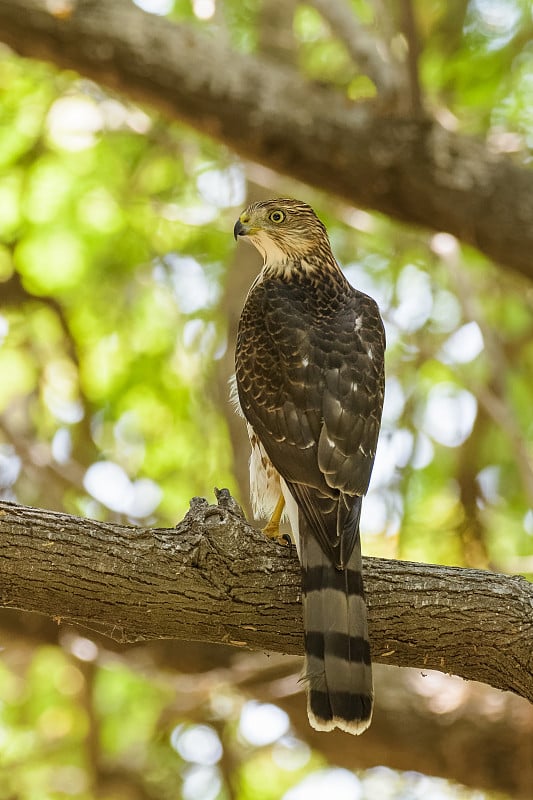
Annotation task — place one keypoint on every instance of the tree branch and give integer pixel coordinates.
(214, 578)
(412, 169)
(366, 50)
(411, 37)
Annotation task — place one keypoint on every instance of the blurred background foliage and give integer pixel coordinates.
(118, 278)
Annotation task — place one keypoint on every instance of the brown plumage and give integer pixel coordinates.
(310, 383)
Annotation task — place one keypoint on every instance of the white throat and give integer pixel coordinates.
(273, 256)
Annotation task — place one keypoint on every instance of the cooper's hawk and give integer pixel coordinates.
(310, 383)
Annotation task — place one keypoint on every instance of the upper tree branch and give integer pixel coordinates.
(413, 44)
(367, 51)
(412, 169)
(216, 579)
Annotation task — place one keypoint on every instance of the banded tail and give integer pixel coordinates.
(338, 668)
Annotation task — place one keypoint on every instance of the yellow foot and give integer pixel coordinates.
(271, 529)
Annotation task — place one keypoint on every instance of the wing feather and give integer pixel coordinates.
(310, 376)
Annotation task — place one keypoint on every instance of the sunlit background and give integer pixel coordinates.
(119, 278)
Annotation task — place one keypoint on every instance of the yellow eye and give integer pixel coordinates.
(277, 216)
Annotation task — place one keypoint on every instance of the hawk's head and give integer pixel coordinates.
(283, 230)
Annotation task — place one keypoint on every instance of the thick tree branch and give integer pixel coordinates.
(414, 170)
(216, 579)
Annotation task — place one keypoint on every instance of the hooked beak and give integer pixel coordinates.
(240, 229)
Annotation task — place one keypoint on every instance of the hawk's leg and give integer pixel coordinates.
(271, 529)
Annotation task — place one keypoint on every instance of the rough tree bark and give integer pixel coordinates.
(412, 169)
(215, 578)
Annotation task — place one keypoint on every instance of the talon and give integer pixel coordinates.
(271, 529)
(272, 532)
